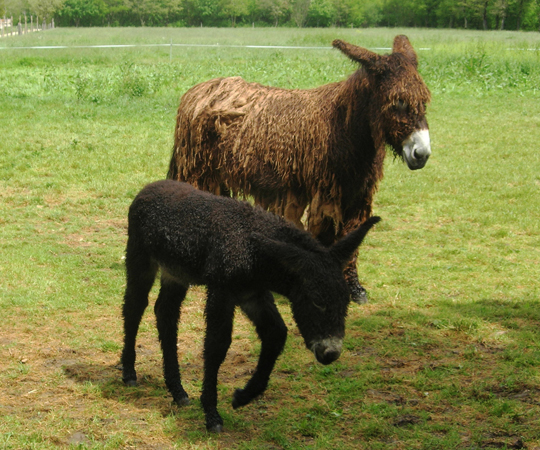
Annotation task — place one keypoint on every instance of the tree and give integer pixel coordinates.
(199, 12)
(471, 10)
(275, 9)
(322, 13)
(141, 9)
(300, 10)
(446, 13)
(499, 10)
(521, 5)
(115, 8)
(234, 9)
(342, 12)
(85, 12)
(484, 7)
(366, 13)
(537, 4)
(401, 12)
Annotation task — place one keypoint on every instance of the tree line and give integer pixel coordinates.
(467, 14)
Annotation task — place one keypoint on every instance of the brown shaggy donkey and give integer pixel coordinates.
(317, 151)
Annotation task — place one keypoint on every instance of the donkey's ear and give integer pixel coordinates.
(343, 249)
(287, 256)
(370, 60)
(403, 46)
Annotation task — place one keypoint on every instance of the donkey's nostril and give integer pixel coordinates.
(421, 153)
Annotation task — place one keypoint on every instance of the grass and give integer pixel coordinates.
(447, 353)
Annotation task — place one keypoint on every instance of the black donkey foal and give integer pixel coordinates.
(240, 253)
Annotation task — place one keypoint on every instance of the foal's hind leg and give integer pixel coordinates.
(167, 310)
(140, 274)
(272, 331)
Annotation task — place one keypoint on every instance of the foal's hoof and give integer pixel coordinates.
(359, 295)
(184, 401)
(218, 428)
(240, 399)
(214, 422)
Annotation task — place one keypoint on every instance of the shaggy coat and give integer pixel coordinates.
(317, 152)
(240, 253)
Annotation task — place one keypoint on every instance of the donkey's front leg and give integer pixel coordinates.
(351, 221)
(219, 320)
(358, 293)
(272, 331)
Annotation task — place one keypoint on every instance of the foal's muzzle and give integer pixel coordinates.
(327, 350)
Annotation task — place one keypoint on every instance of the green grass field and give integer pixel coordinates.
(446, 354)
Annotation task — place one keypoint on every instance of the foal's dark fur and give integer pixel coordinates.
(240, 253)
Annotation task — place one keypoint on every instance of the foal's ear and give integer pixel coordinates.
(343, 249)
(366, 57)
(403, 46)
(287, 256)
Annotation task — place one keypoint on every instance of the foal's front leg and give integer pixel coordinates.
(167, 310)
(272, 331)
(141, 273)
(219, 321)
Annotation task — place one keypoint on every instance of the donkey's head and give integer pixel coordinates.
(398, 99)
(317, 289)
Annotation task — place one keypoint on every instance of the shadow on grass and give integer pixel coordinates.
(150, 392)
(500, 310)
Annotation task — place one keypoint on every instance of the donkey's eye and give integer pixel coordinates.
(401, 105)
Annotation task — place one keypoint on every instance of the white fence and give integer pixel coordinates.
(8, 27)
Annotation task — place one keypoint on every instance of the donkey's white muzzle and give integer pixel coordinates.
(417, 149)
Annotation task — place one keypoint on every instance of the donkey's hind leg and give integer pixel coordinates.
(272, 331)
(140, 276)
(167, 310)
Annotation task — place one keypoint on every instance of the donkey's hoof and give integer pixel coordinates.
(130, 382)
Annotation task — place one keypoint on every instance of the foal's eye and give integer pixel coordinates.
(401, 105)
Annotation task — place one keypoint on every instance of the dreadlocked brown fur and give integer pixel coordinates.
(318, 151)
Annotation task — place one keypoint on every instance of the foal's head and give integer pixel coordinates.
(317, 289)
(398, 99)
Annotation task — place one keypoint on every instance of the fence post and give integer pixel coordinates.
(25, 25)
(19, 27)
(52, 23)
(31, 24)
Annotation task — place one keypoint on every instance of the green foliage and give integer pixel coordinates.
(466, 14)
